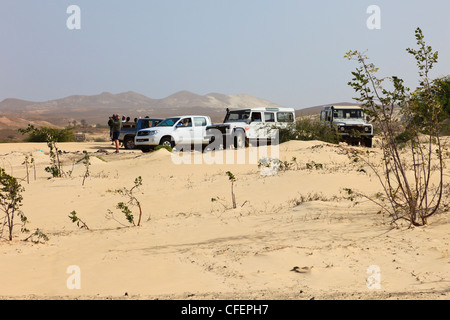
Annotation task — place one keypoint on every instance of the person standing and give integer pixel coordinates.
(110, 124)
(117, 125)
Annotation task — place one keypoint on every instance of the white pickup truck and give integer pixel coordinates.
(179, 130)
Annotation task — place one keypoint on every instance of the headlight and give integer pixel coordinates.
(153, 132)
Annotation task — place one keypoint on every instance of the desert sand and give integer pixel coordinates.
(292, 236)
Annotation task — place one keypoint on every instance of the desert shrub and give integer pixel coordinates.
(276, 165)
(168, 148)
(314, 165)
(405, 136)
(307, 129)
(10, 203)
(41, 134)
(412, 159)
(132, 201)
(314, 129)
(55, 167)
(287, 134)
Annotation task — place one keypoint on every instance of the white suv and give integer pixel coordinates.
(350, 123)
(174, 131)
(240, 127)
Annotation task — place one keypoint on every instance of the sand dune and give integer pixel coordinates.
(293, 235)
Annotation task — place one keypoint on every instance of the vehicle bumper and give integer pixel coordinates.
(355, 135)
(146, 141)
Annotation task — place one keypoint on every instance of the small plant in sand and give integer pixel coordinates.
(29, 163)
(37, 237)
(132, 201)
(86, 163)
(313, 165)
(412, 171)
(10, 203)
(33, 165)
(232, 179)
(80, 223)
(276, 164)
(55, 168)
(26, 163)
(300, 199)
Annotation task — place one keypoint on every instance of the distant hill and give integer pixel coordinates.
(97, 108)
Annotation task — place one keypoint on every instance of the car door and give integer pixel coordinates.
(184, 131)
(256, 125)
(200, 124)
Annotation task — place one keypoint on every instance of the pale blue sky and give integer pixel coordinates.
(287, 51)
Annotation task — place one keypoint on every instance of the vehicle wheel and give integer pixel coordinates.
(128, 143)
(368, 142)
(239, 140)
(205, 148)
(167, 141)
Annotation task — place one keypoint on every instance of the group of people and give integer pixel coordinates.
(115, 125)
(128, 119)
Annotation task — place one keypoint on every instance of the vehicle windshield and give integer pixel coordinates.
(348, 113)
(170, 122)
(241, 115)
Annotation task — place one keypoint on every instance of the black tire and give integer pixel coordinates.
(352, 142)
(240, 141)
(167, 141)
(368, 142)
(128, 143)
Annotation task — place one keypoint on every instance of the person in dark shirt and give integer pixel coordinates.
(110, 124)
(117, 125)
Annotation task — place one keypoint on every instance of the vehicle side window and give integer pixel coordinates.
(285, 117)
(269, 117)
(199, 122)
(323, 116)
(256, 117)
(186, 122)
(156, 122)
(145, 124)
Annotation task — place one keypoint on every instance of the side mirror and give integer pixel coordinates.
(367, 118)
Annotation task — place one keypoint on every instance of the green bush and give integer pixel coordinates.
(307, 129)
(10, 203)
(168, 148)
(41, 134)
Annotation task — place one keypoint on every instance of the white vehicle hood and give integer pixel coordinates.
(160, 129)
